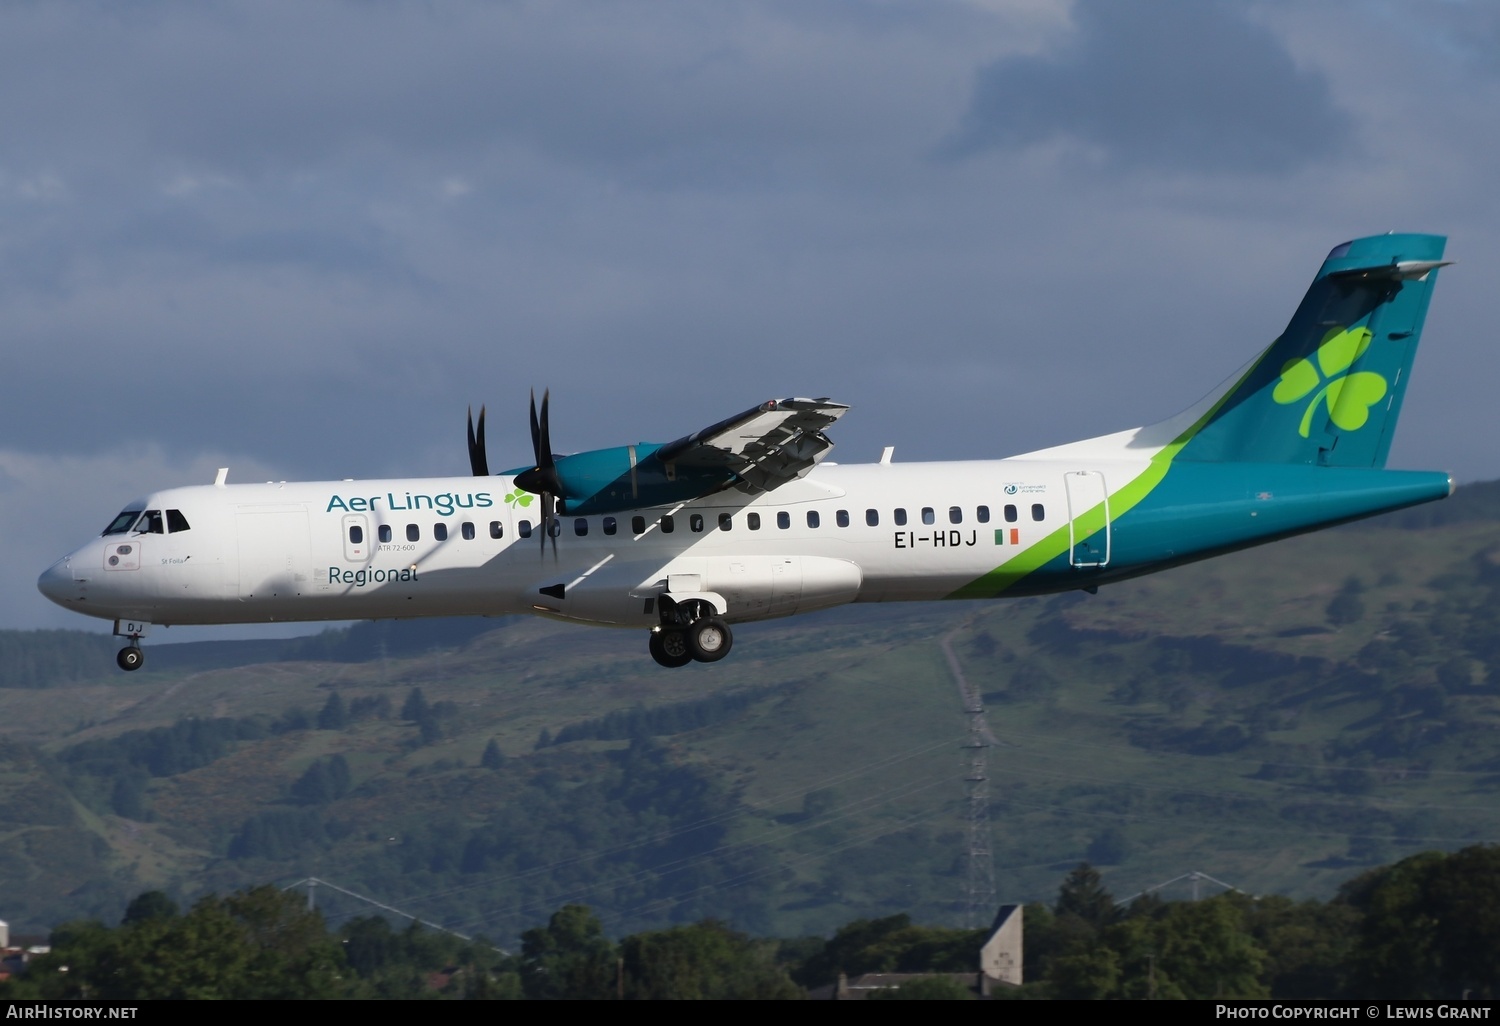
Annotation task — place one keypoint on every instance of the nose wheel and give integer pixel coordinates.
(131, 658)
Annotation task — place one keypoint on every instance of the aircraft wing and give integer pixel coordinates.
(766, 446)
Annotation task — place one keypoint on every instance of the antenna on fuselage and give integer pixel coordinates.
(221, 477)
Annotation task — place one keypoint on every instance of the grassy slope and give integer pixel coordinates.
(848, 783)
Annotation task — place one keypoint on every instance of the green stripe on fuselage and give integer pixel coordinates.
(1005, 576)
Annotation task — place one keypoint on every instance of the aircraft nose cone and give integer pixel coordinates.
(57, 583)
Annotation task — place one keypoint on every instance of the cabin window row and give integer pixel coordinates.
(696, 523)
(386, 533)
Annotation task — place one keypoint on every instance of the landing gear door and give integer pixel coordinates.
(1088, 533)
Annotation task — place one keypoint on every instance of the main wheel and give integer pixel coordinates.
(709, 639)
(130, 658)
(670, 648)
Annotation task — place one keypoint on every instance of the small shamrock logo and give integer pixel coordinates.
(1347, 396)
(519, 498)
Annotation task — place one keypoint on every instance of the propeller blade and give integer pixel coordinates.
(536, 433)
(544, 453)
(547, 524)
(477, 461)
(542, 478)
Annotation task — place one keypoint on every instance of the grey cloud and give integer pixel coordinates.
(1189, 85)
(226, 228)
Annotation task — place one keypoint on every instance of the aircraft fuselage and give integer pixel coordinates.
(352, 550)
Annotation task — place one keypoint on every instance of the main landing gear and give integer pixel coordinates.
(690, 631)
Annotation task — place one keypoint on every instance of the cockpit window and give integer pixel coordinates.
(121, 523)
(176, 521)
(150, 523)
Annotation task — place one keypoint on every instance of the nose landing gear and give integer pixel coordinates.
(131, 657)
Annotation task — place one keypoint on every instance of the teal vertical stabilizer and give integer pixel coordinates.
(1329, 390)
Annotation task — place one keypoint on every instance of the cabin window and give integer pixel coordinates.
(812, 518)
(467, 530)
(524, 529)
(726, 522)
(383, 532)
(1038, 512)
(581, 526)
(555, 527)
(440, 532)
(900, 518)
(982, 514)
(610, 525)
(497, 529)
(695, 523)
(413, 532)
(842, 518)
(356, 534)
(752, 521)
(176, 521)
(638, 525)
(1011, 516)
(928, 516)
(955, 515)
(668, 524)
(783, 520)
(150, 523)
(872, 517)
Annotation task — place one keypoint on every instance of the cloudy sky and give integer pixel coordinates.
(299, 239)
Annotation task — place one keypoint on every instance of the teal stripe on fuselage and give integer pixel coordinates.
(1206, 509)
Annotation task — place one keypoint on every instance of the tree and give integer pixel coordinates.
(1347, 607)
(333, 715)
(1205, 949)
(324, 781)
(1430, 927)
(1083, 895)
(147, 906)
(706, 960)
(1089, 974)
(1307, 944)
(493, 758)
(253, 944)
(568, 958)
(415, 707)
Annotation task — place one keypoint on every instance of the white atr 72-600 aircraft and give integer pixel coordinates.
(740, 521)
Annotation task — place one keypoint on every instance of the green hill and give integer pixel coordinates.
(1279, 719)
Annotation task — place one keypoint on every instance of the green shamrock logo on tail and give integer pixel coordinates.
(1347, 396)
